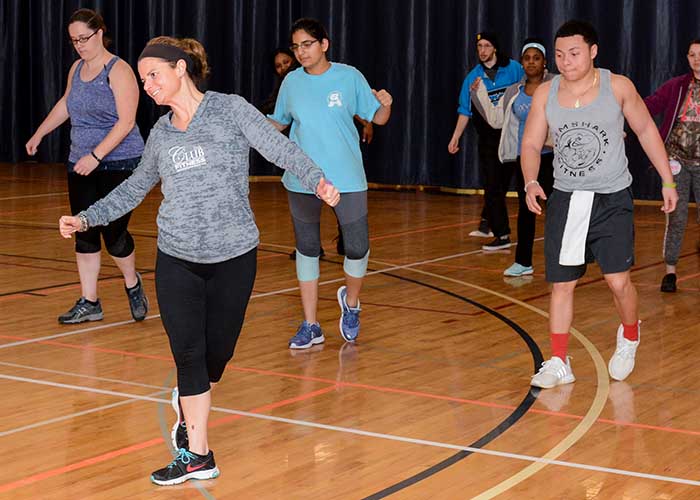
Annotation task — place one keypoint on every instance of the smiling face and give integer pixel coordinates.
(533, 62)
(86, 42)
(574, 57)
(309, 51)
(160, 79)
(282, 63)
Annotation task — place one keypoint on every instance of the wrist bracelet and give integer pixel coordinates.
(533, 181)
(83, 223)
(99, 160)
(671, 185)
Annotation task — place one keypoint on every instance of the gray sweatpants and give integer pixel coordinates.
(688, 178)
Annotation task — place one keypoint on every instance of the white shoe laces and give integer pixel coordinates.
(626, 349)
(553, 368)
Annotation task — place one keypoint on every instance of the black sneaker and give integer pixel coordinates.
(138, 302)
(498, 243)
(178, 434)
(187, 465)
(83, 310)
(668, 284)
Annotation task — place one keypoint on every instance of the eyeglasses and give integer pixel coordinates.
(83, 39)
(303, 45)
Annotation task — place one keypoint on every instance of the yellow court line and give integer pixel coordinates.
(584, 425)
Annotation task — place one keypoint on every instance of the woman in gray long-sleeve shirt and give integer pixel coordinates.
(207, 237)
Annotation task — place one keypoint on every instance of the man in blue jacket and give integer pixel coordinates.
(497, 71)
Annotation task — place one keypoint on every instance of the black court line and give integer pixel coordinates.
(506, 424)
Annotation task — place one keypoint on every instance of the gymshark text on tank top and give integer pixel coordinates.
(589, 149)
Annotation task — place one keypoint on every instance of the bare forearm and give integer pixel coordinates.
(54, 119)
(655, 150)
(115, 136)
(462, 121)
(382, 115)
(530, 162)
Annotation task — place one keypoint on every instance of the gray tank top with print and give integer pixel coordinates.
(589, 148)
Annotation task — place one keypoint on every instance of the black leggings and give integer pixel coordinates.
(202, 307)
(83, 191)
(526, 219)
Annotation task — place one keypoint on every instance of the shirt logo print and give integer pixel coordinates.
(580, 148)
(335, 99)
(185, 158)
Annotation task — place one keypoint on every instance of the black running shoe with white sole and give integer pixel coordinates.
(187, 465)
(83, 310)
(138, 302)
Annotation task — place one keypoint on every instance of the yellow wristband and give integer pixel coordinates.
(669, 185)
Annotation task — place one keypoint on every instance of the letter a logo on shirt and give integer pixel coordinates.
(334, 99)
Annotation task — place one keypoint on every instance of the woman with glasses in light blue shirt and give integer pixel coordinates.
(319, 101)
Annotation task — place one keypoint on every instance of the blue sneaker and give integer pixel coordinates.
(518, 270)
(306, 336)
(349, 318)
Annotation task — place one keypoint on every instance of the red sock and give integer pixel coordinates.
(631, 332)
(560, 344)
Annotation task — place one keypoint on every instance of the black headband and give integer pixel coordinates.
(170, 53)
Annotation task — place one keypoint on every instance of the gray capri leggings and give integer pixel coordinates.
(687, 179)
(351, 213)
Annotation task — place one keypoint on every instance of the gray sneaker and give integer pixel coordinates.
(138, 302)
(82, 311)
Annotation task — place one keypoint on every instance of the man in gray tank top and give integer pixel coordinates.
(590, 211)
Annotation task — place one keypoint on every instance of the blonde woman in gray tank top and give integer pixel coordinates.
(590, 211)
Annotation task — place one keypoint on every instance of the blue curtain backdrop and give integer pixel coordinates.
(419, 50)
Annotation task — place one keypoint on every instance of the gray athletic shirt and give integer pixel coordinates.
(205, 215)
(589, 149)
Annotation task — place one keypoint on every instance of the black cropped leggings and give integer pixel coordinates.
(202, 307)
(83, 191)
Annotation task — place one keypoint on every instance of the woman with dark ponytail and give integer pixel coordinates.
(207, 237)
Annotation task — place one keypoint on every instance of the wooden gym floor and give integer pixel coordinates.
(432, 402)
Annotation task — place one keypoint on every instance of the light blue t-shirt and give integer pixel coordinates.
(521, 108)
(321, 110)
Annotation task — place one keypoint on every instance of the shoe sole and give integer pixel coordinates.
(517, 275)
(205, 474)
(317, 340)
(342, 310)
(499, 247)
(564, 381)
(89, 317)
(480, 234)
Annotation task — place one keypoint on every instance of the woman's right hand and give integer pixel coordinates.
(32, 145)
(68, 225)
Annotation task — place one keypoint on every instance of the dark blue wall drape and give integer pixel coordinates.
(420, 50)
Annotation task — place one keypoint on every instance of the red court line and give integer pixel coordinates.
(376, 388)
(146, 444)
(684, 278)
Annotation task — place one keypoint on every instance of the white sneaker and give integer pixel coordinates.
(622, 362)
(553, 373)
